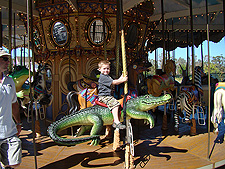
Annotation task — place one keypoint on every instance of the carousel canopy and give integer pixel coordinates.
(176, 15)
(177, 23)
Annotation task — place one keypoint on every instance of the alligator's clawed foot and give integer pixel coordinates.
(95, 141)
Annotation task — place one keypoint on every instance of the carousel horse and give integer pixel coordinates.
(219, 105)
(136, 79)
(81, 84)
(188, 97)
(165, 82)
(20, 75)
(185, 80)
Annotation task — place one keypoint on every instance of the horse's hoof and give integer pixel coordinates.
(176, 128)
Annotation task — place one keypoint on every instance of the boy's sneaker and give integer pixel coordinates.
(119, 126)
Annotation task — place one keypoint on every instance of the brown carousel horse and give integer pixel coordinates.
(81, 84)
(164, 82)
(136, 77)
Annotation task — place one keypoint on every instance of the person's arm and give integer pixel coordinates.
(120, 80)
(16, 116)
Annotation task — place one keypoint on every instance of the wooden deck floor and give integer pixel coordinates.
(153, 149)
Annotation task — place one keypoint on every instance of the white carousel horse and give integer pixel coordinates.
(219, 105)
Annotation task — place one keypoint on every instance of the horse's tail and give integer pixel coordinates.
(72, 98)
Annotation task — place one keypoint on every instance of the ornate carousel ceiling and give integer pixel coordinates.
(176, 14)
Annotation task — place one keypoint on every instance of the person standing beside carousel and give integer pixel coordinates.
(10, 123)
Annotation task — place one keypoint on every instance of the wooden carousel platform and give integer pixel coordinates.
(153, 149)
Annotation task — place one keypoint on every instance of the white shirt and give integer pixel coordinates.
(7, 97)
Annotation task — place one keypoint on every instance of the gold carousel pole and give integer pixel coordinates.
(129, 162)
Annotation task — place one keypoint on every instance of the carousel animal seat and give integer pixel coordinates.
(163, 79)
(120, 101)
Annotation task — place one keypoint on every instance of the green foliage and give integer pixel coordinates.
(217, 66)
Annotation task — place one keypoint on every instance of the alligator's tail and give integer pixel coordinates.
(64, 123)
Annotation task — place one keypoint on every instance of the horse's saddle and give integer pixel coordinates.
(192, 92)
(164, 80)
(220, 85)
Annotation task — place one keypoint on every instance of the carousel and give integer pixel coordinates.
(168, 124)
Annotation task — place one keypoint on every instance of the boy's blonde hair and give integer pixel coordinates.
(103, 62)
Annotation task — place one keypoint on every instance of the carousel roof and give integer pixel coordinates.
(177, 23)
(176, 14)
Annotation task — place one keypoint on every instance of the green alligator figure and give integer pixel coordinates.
(20, 75)
(96, 116)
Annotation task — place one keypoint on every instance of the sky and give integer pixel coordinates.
(215, 49)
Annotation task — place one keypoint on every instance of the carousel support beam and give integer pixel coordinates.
(0, 27)
(156, 57)
(10, 34)
(21, 57)
(163, 33)
(209, 86)
(129, 161)
(14, 39)
(187, 64)
(24, 44)
(117, 38)
(202, 56)
(116, 141)
(30, 38)
(193, 126)
(103, 19)
(173, 38)
(192, 42)
(164, 125)
(224, 16)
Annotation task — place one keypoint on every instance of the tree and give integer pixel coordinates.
(217, 66)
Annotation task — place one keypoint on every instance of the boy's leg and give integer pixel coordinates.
(115, 114)
(116, 123)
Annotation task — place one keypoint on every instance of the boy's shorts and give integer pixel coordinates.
(110, 101)
(10, 150)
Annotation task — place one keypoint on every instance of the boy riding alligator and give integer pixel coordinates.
(97, 116)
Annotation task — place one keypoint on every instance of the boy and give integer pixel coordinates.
(104, 88)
